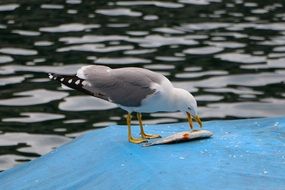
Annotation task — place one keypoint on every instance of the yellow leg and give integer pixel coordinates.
(130, 137)
(189, 117)
(197, 118)
(143, 134)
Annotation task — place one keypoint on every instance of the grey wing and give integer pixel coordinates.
(127, 87)
(97, 79)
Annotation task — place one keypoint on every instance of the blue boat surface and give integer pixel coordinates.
(242, 154)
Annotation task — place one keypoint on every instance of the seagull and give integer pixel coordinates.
(133, 89)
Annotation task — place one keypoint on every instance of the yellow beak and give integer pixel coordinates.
(190, 121)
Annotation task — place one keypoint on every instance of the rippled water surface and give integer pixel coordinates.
(230, 54)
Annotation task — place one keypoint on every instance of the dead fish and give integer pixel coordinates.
(181, 137)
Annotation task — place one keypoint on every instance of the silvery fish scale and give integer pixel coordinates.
(182, 137)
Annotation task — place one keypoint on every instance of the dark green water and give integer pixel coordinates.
(229, 54)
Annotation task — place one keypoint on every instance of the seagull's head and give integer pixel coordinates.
(188, 104)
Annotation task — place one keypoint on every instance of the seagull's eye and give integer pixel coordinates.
(189, 108)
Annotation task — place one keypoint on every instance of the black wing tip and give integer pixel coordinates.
(74, 82)
(71, 81)
(57, 77)
(50, 75)
(53, 76)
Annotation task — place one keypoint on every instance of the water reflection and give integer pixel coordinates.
(33, 117)
(33, 97)
(99, 48)
(203, 50)
(26, 33)
(73, 27)
(229, 54)
(154, 3)
(119, 12)
(8, 7)
(5, 59)
(84, 103)
(11, 80)
(27, 145)
(241, 58)
(18, 51)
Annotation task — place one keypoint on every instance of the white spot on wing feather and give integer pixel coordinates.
(85, 83)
